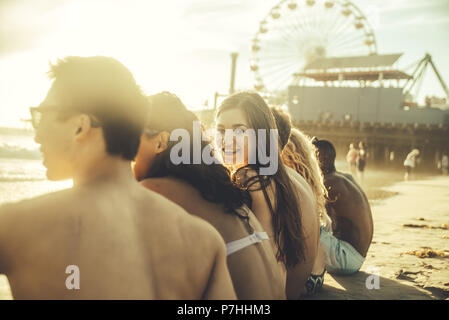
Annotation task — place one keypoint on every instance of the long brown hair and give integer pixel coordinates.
(286, 212)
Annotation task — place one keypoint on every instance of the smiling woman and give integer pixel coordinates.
(291, 224)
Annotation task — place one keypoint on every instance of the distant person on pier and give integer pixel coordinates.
(410, 164)
(361, 161)
(346, 245)
(445, 164)
(351, 158)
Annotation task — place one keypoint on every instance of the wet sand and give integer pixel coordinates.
(401, 275)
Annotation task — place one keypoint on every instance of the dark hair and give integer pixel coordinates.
(326, 155)
(283, 123)
(213, 181)
(106, 89)
(286, 214)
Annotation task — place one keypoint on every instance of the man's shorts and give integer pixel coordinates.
(340, 256)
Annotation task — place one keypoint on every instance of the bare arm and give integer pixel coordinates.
(219, 286)
(5, 215)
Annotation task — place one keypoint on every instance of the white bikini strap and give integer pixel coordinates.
(240, 244)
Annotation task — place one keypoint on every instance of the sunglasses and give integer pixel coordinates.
(36, 116)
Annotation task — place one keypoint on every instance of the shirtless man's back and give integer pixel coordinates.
(128, 243)
(348, 207)
(349, 210)
(113, 238)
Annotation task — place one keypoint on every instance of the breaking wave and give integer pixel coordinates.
(9, 150)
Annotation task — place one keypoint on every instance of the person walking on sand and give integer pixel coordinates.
(410, 164)
(351, 158)
(361, 162)
(445, 164)
(347, 244)
(107, 237)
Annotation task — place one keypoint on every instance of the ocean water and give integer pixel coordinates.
(22, 174)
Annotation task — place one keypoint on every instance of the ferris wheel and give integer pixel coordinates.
(296, 32)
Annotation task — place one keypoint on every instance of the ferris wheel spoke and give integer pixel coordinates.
(278, 76)
(281, 49)
(280, 28)
(293, 24)
(287, 78)
(349, 39)
(322, 18)
(312, 17)
(289, 26)
(340, 47)
(267, 72)
(348, 21)
(289, 23)
(330, 30)
(279, 55)
(275, 66)
(285, 36)
(302, 21)
(345, 43)
(278, 82)
(343, 30)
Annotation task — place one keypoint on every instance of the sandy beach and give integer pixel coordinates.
(423, 206)
(408, 216)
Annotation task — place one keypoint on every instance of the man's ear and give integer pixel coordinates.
(162, 141)
(82, 126)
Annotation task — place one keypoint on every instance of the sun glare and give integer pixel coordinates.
(148, 38)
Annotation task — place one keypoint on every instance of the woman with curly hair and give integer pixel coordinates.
(299, 154)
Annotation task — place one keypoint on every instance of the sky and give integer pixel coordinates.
(182, 46)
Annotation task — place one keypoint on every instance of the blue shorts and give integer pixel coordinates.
(340, 256)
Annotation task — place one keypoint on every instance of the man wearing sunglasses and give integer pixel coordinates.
(107, 237)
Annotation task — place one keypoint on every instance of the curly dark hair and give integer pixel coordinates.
(326, 154)
(213, 181)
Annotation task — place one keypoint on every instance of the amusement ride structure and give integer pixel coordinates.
(320, 57)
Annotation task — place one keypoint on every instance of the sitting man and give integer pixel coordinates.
(349, 209)
(107, 237)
